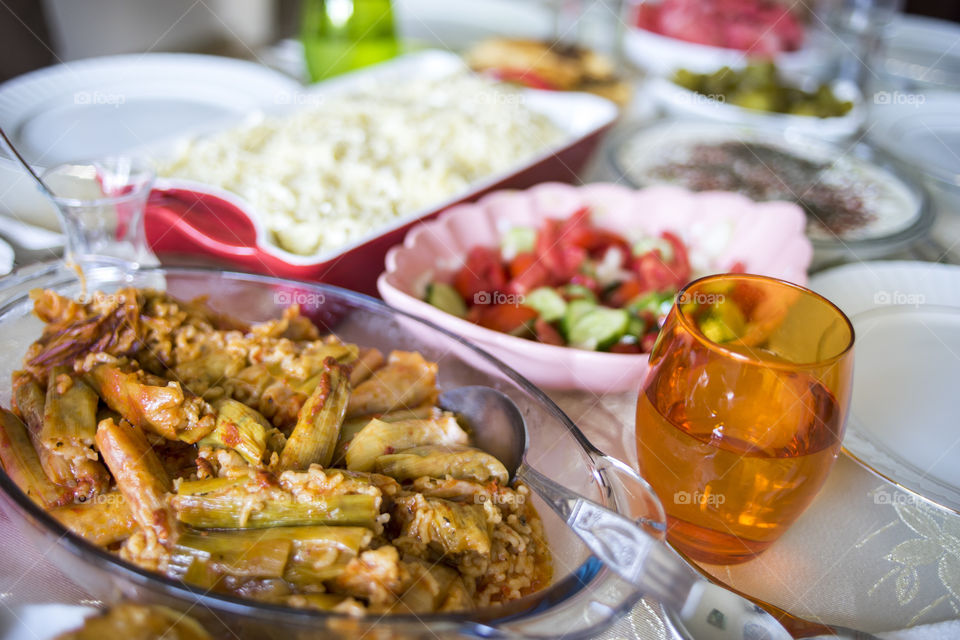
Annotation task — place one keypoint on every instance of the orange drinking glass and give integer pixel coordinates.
(742, 413)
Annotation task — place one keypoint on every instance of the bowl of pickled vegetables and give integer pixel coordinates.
(759, 94)
(569, 285)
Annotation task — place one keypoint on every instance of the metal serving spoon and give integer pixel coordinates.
(26, 165)
(708, 611)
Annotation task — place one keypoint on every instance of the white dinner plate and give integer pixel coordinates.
(922, 129)
(903, 418)
(115, 104)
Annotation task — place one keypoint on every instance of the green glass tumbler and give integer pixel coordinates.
(343, 35)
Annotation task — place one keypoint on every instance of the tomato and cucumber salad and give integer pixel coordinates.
(569, 283)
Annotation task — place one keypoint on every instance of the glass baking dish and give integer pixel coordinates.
(584, 596)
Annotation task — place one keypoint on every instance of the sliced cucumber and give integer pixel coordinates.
(649, 244)
(546, 302)
(579, 292)
(724, 322)
(636, 327)
(599, 329)
(446, 298)
(575, 310)
(656, 302)
(518, 240)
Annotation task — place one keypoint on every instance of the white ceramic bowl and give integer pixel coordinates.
(719, 228)
(683, 103)
(661, 55)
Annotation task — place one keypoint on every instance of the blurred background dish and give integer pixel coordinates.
(923, 130)
(760, 86)
(902, 416)
(919, 54)
(542, 64)
(703, 35)
(755, 95)
(114, 105)
(859, 204)
(721, 231)
(756, 27)
(244, 230)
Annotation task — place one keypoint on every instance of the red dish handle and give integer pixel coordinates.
(188, 221)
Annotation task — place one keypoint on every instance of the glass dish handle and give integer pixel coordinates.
(620, 543)
(26, 278)
(647, 563)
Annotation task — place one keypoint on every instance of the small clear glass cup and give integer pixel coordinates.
(101, 205)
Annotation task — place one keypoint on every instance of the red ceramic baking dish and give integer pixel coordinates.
(198, 220)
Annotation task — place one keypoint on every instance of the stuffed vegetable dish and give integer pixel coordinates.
(264, 461)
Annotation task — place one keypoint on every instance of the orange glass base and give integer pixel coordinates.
(712, 547)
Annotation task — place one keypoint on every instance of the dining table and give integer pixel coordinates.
(867, 554)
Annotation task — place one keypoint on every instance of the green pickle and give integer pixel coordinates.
(760, 87)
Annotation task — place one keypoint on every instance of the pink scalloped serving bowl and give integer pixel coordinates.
(719, 228)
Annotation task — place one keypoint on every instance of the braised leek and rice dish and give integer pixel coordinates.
(265, 461)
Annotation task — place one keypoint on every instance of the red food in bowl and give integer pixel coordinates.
(761, 27)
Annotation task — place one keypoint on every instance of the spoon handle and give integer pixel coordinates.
(26, 165)
(654, 568)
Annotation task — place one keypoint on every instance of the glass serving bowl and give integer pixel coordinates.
(584, 596)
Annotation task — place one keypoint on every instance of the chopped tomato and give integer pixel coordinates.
(737, 267)
(521, 263)
(547, 247)
(649, 318)
(653, 273)
(586, 281)
(646, 344)
(514, 319)
(573, 258)
(536, 275)
(482, 272)
(747, 297)
(625, 292)
(680, 264)
(579, 219)
(626, 347)
(597, 241)
(561, 261)
(547, 334)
